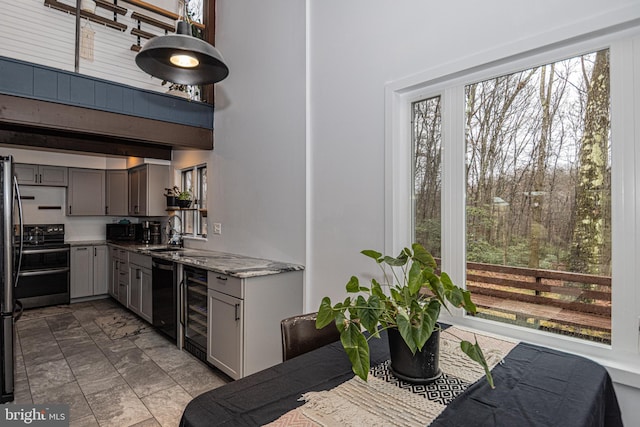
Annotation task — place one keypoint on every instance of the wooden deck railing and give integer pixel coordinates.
(559, 301)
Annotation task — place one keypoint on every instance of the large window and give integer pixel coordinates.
(539, 197)
(521, 175)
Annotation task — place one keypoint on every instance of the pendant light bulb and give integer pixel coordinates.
(184, 61)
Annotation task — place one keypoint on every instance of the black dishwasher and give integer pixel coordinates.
(164, 297)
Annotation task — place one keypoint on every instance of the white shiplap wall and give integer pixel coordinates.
(33, 32)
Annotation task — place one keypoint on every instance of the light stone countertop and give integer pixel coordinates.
(220, 262)
(86, 242)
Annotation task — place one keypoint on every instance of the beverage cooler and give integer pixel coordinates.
(194, 312)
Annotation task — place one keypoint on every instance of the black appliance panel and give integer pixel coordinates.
(44, 275)
(164, 297)
(124, 232)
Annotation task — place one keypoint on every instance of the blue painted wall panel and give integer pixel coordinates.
(49, 84)
(45, 84)
(114, 100)
(127, 102)
(82, 91)
(64, 88)
(100, 93)
(17, 78)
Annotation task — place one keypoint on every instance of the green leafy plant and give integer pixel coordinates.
(415, 296)
(185, 195)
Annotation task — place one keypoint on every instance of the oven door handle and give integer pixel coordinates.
(44, 251)
(43, 272)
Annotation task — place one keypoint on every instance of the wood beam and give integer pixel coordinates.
(43, 117)
(58, 141)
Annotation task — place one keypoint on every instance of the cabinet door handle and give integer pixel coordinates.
(106, 210)
(221, 278)
(182, 303)
(137, 273)
(95, 252)
(81, 249)
(69, 209)
(117, 262)
(40, 178)
(237, 306)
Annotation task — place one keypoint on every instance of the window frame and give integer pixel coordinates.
(196, 208)
(622, 357)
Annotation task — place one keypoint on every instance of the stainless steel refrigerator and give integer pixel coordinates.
(10, 258)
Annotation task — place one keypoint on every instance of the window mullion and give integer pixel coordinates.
(453, 184)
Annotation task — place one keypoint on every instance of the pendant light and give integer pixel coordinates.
(181, 58)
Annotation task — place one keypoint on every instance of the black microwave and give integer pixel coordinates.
(124, 232)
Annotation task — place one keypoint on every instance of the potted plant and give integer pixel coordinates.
(184, 198)
(172, 196)
(408, 311)
(182, 90)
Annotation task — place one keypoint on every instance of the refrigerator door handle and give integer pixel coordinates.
(21, 223)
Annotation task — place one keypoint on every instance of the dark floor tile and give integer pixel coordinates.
(88, 421)
(69, 394)
(106, 304)
(48, 375)
(124, 357)
(40, 353)
(97, 376)
(147, 378)
(118, 406)
(62, 322)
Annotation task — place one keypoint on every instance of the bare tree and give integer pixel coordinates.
(590, 247)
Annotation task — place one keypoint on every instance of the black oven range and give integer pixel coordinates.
(43, 277)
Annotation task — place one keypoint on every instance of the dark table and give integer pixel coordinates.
(536, 386)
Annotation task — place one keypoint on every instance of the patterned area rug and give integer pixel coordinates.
(385, 400)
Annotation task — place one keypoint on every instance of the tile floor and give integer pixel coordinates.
(110, 366)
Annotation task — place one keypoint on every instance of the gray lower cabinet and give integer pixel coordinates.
(140, 292)
(225, 326)
(86, 192)
(244, 320)
(119, 277)
(52, 176)
(88, 271)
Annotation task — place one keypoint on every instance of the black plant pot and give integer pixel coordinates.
(421, 368)
(172, 201)
(184, 203)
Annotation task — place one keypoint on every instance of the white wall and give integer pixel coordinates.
(256, 173)
(356, 48)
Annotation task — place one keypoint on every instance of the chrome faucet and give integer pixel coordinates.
(175, 231)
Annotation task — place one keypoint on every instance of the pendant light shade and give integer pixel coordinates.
(181, 58)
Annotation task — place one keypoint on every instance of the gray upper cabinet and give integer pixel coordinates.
(146, 188)
(86, 192)
(28, 174)
(117, 192)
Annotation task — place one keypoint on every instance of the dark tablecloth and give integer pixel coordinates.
(535, 386)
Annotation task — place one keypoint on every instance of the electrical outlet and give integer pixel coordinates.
(217, 228)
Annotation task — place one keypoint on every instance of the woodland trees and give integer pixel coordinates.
(538, 167)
